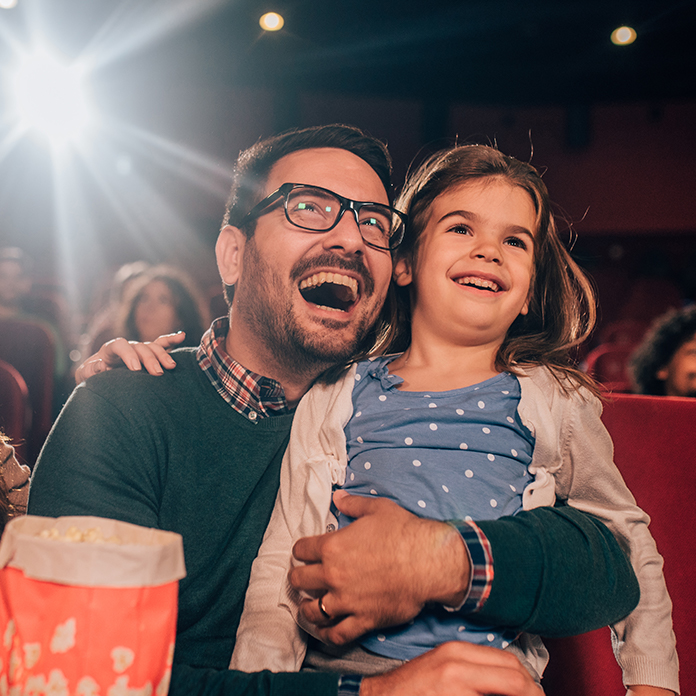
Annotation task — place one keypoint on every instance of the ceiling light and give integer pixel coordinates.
(623, 36)
(271, 21)
(8, 4)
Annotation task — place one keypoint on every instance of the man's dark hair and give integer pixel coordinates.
(666, 336)
(254, 165)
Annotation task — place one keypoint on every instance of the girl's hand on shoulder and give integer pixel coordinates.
(642, 690)
(153, 356)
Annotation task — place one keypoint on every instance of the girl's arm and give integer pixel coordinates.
(133, 354)
(589, 480)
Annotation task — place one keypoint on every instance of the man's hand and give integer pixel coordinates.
(457, 669)
(133, 354)
(380, 570)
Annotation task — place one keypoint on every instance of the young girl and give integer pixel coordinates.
(481, 415)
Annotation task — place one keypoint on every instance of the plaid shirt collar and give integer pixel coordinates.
(252, 395)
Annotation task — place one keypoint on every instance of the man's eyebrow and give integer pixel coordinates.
(474, 217)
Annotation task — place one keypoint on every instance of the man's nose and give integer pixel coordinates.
(346, 235)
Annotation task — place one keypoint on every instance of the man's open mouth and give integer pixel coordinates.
(481, 283)
(333, 291)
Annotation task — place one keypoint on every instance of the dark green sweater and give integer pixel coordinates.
(169, 452)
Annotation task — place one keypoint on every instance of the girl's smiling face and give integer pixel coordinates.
(472, 269)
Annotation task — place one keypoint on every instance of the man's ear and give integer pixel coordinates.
(229, 252)
(402, 273)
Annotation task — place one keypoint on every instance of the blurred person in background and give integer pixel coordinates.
(665, 362)
(162, 300)
(102, 325)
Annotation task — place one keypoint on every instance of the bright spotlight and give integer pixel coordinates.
(50, 97)
(623, 36)
(271, 21)
(7, 4)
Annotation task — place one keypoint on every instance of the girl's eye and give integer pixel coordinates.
(460, 229)
(516, 242)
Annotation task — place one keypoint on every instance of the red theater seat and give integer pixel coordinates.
(655, 450)
(15, 413)
(28, 346)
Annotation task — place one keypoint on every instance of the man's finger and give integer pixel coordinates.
(309, 549)
(309, 578)
(356, 505)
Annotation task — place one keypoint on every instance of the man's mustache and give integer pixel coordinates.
(327, 259)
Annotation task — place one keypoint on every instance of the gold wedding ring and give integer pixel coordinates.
(322, 609)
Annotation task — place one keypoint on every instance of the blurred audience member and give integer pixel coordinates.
(162, 300)
(15, 282)
(665, 363)
(14, 484)
(102, 327)
(18, 303)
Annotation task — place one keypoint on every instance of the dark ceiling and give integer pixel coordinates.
(490, 51)
(494, 51)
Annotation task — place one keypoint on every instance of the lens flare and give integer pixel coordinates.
(50, 97)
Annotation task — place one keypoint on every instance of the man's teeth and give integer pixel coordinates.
(479, 283)
(334, 278)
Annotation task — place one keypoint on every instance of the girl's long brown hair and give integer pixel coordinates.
(562, 307)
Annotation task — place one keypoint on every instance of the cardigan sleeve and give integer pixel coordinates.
(269, 634)
(588, 479)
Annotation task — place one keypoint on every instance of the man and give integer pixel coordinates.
(198, 451)
(665, 362)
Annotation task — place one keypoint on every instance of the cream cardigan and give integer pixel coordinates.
(572, 461)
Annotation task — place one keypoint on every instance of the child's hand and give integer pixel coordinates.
(641, 690)
(133, 354)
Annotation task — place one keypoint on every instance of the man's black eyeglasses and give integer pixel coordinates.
(317, 209)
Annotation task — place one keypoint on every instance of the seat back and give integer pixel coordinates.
(655, 450)
(15, 412)
(28, 346)
(607, 364)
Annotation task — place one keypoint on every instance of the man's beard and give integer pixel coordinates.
(268, 311)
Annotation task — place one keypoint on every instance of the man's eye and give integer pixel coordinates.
(374, 222)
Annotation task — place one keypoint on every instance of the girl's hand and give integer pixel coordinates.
(133, 354)
(648, 691)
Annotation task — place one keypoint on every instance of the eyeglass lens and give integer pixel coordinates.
(318, 210)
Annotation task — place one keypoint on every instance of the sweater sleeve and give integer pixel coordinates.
(199, 681)
(557, 572)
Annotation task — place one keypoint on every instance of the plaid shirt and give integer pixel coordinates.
(252, 395)
(255, 396)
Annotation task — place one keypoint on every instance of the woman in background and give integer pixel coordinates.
(162, 300)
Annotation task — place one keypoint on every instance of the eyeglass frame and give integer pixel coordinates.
(346, 204)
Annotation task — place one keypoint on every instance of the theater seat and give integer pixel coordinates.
(655, 450)
(15, 412)
(28, 346)
(607, 364)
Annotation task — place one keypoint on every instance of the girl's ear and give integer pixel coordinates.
(662, 374)
(229, 251)
(402, 273)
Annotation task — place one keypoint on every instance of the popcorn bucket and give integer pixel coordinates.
(88, 607)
